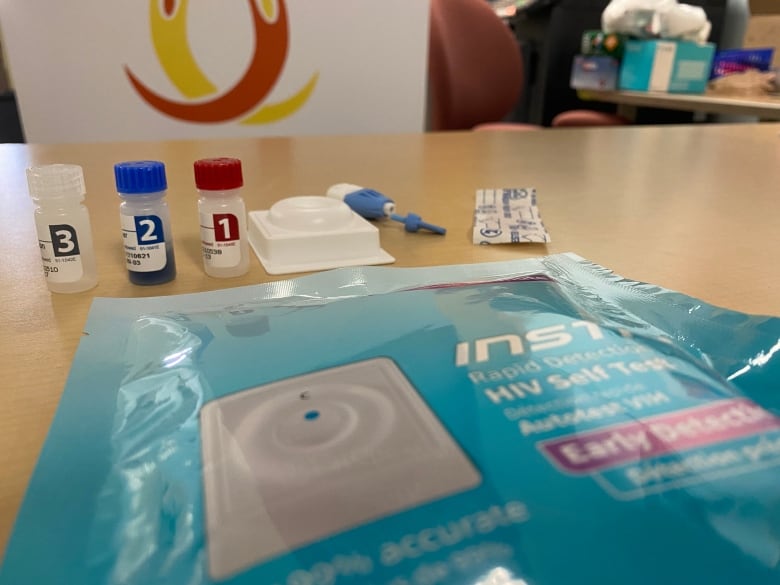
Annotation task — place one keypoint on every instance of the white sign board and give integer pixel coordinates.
(112, 70)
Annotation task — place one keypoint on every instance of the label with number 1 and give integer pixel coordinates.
(144, 241)
(220, 237)
(61, 254)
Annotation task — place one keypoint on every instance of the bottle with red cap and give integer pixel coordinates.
(222, 217)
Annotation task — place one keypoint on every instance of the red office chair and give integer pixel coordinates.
(588, 118)
(475, 70)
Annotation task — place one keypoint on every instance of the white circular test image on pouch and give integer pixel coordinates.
(318, 427)
(293, 461)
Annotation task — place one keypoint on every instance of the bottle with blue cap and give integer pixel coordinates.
(146, 223)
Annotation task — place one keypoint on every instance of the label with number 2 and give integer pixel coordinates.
(144, 242)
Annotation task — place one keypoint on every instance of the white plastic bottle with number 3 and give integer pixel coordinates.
(64, 231)
(222, 217)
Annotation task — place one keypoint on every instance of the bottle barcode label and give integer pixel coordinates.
(61, 254)
(221, 239)
(144, 241)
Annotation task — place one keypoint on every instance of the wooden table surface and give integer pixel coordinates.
(695, 209)
(766, 106)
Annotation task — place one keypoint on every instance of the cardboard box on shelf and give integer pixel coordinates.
(764, 7)
(764, 27)
(764, 31)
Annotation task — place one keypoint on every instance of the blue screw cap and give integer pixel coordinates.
(140, 176)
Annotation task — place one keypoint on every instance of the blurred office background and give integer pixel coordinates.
(548, 34)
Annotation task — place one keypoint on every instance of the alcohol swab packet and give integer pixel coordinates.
(508, 216)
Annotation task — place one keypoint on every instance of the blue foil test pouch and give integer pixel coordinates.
(539, 422)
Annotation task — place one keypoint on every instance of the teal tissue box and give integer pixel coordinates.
(661, 65)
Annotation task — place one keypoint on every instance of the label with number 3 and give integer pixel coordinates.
(220, 238)
(61, 254)
(144, 242)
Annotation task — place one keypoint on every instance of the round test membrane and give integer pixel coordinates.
(313, 429)
(310, 213)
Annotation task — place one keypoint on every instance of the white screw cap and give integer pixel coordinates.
(54, 181)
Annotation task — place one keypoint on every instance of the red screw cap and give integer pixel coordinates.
(218, 174)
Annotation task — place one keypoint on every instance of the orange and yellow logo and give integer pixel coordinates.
(204, 102)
